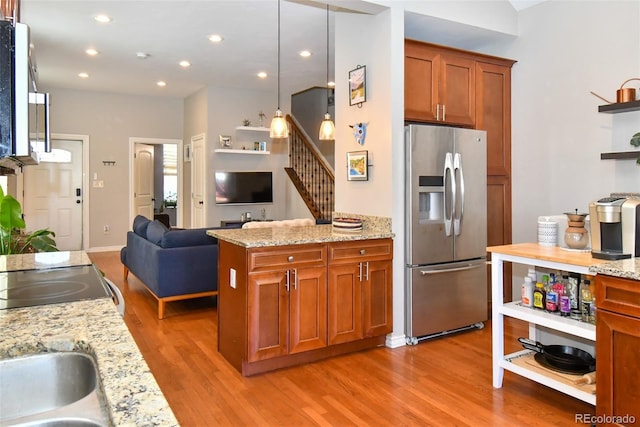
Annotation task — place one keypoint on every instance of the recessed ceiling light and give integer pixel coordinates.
(262, 75)
(83, 75)
(102, 18)
(185, 64)
(161, 83)
(142, 55)
(305, 54)
(216, 38)
(91, 52)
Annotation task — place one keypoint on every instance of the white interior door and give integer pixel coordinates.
(53, 194)
(143, 180)
(198, 182)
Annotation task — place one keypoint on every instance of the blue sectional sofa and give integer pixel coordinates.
(172, 264)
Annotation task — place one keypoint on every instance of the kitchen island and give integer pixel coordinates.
(90, 326)
(292, 295)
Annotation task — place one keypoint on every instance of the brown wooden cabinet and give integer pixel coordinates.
(278, 306)
(618, 350)
(439, 87)
(476, 92)
(360, 290)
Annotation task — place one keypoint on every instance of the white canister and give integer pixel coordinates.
(547, 232)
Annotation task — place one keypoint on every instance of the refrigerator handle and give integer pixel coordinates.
(450, 270)
(458, 213)
(449, 193)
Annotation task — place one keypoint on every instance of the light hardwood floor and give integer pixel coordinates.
(443, 382)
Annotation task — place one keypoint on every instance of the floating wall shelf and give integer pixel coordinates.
(253, 128)
(233, 151)
(620, 107)
(620, 155)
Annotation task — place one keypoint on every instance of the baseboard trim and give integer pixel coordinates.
(395, 341)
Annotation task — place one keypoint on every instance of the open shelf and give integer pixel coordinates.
(253, 128)
(620, 107)
(550, 320)
(545, 378)
(233, 151)
(620, 155)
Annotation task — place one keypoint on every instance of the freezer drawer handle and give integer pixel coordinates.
(450, 270)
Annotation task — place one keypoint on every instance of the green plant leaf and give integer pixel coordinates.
(635, 140)
(11, 214)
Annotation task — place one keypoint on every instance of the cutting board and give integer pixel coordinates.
(527, 361)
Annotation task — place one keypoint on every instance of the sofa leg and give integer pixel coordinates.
(161, 304)
(126, 272)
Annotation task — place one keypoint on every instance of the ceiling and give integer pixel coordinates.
(174, 30)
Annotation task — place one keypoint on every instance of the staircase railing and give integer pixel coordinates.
(310, 173)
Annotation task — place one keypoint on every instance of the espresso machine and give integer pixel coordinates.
(615, 227)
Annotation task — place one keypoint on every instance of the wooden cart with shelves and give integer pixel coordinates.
(546, 257)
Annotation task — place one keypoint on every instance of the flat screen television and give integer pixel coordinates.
(241, 188)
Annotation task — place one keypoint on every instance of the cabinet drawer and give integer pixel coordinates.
(618, 295)
(365, 250)
(262, 259)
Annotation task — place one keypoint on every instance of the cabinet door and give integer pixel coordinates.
(618, 365)
(344, 303)
(308, 309)
(377, 298)
(456, 90)
(420, 84)
(268, 315)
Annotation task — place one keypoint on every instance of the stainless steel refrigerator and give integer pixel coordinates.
(446, 230)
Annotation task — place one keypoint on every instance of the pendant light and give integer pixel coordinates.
(327, 128)
(279, 127)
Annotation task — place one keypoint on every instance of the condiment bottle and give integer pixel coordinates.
(527, 292)
(539, 296)
(586, 300)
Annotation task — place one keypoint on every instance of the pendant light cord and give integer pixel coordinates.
(327, 82)
(278, 54)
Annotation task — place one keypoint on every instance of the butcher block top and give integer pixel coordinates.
(628, 268)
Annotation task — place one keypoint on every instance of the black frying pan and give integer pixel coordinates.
(561, 357)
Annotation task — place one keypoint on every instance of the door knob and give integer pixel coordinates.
(201, 202)
(78, 202)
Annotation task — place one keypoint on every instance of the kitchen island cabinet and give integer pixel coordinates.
(618, 349)
(547, 257)
(360, 302)
(300, 294)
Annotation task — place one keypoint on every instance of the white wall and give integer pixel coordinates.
(110, 120)
(377, 42)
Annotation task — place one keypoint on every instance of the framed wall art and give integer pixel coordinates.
(358, 85)
(357, 166)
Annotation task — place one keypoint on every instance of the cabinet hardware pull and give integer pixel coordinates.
(444, 114)
(362, 252)
(290, 259)
(437, 112)
(366, 274)
(295, 278)
(286, 285)
(360, 271)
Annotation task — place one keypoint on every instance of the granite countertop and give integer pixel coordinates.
(373, 227)
(93, 327)
(625, 268)
(43, 260)
(296, 235)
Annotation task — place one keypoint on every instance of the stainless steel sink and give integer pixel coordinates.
(51, 389)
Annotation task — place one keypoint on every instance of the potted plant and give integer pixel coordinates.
(635, 141)
(13, 240)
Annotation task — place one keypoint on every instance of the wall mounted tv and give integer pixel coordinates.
(241, 188)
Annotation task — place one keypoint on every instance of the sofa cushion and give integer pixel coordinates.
(140, 224)
(155, 231)
(181, 238)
